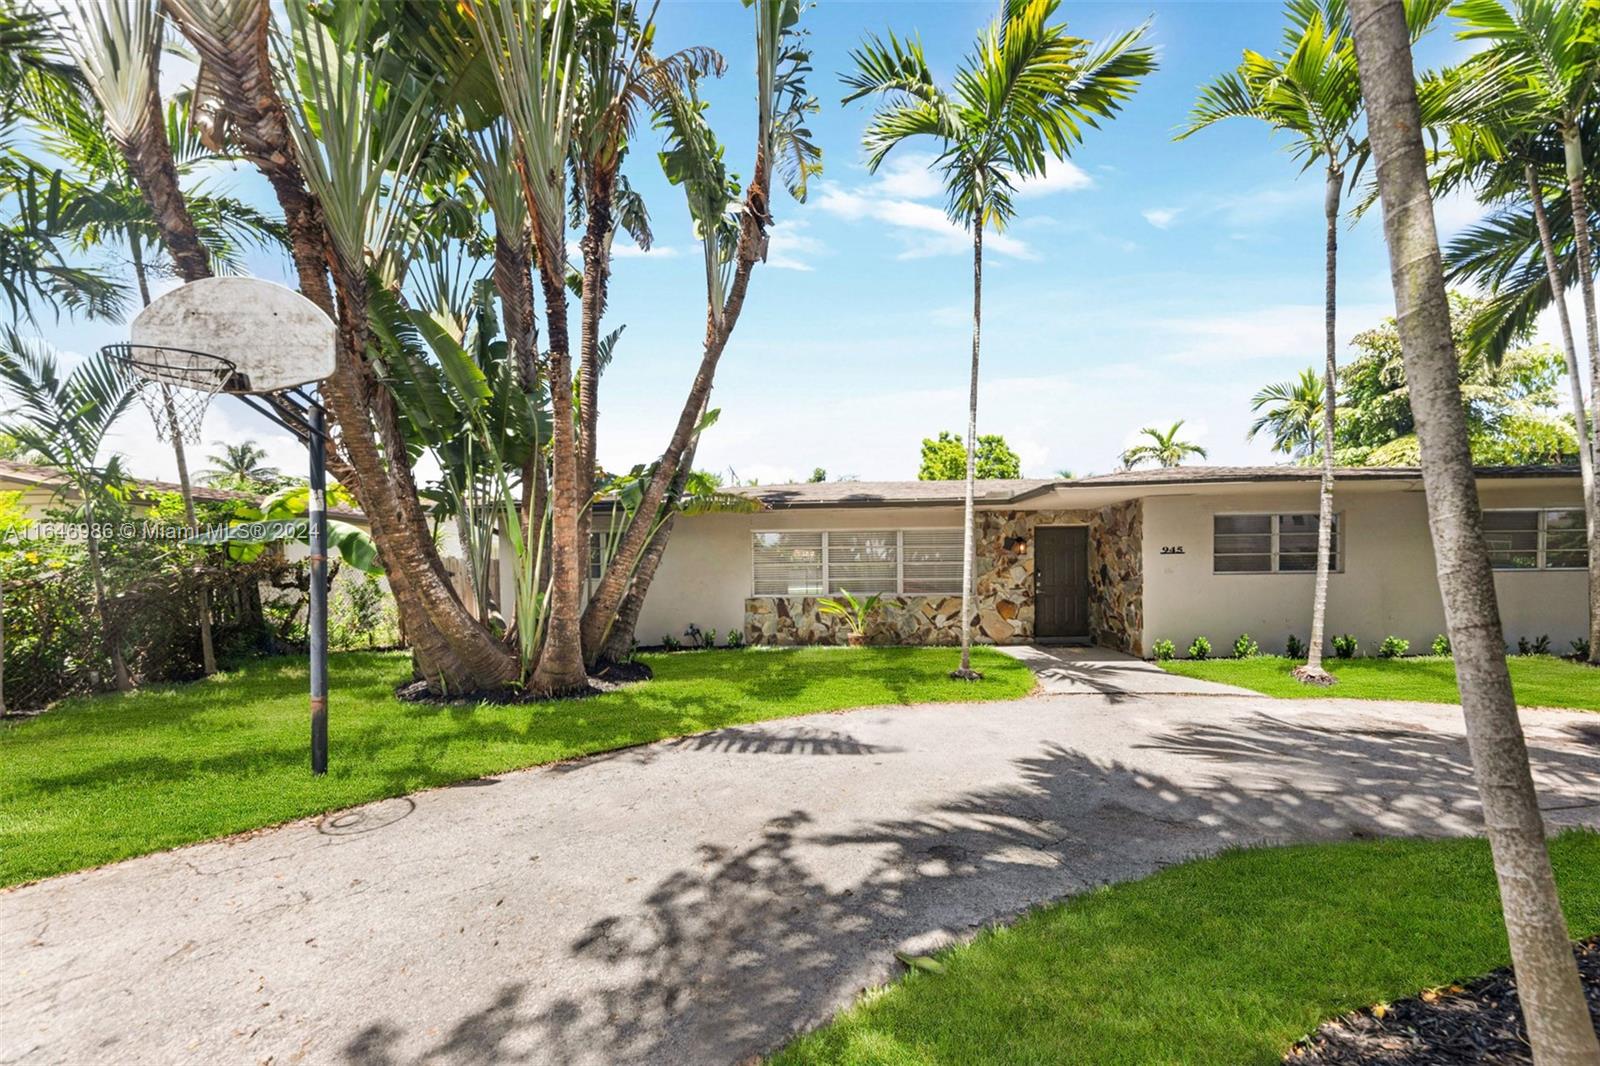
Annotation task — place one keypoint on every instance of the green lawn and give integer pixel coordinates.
(1539, 680)
(1228, 960)
(106, 777)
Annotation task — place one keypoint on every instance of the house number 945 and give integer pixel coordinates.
(1172, 549)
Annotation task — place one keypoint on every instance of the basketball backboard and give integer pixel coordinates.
(275, 338)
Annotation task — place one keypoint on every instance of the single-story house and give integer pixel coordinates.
(1120, 560)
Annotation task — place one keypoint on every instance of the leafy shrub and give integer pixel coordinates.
(361, 614)
(1164, 650)
(857, 614)
(671, 643)
(1245, 647)
(1534, 647)
(711, 639)
(1580, 648)
(1441, 645)
(1393, 647)
(1200, 649)
(1294, 647)
(1345, 646)
(735, 638)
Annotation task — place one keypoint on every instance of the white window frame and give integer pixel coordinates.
(1273, 525)
(899, 559)
(1542, 544)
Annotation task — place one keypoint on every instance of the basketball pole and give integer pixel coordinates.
(318, 522)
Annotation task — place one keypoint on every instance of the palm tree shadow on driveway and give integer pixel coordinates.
(732, 956)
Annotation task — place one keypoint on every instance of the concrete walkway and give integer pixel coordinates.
(697, 901)
(1082, 671)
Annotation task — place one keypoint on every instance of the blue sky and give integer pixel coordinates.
(1144, 282)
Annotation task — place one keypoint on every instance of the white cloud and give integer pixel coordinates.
(788, 244)
(911, 176)
(1289, 332)
(922, 229)
(629, 250)
(1060, 175)
(1161, 217)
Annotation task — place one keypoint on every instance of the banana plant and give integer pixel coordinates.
(283, 518)
(459, 390)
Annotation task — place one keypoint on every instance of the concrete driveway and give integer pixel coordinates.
(697, 901)
(1083, 671)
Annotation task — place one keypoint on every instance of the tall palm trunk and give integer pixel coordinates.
(149, 158)
(596, 246)
(453, 652)
(208, 654)
(966, 672)
(619, 641)
(1588, 435)
(1559, 1026)
(751, 248)
(1312, 671)
(561, 662)
(1572, 144)
(113, 645)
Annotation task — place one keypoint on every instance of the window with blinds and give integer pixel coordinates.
(788, 564)
(911, 562)
(932, 561)
(1268, 543)
(1536, 540)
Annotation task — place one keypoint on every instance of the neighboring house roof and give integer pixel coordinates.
(888, 493)
(1012, 490)
(49, 478)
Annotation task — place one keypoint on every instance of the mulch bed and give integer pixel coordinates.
(1476, 1023)
(608, 678)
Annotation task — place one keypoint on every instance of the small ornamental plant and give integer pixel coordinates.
(857, 614)
(1294, 648)
(1393, 647)
(1246, 647)
(1164, 650)
(1534, 647)
(1345, 646)
(736, 638)
(671, 643)
(1441, 646)
(1200, 649)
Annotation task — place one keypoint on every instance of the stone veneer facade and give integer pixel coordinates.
(1004, 587)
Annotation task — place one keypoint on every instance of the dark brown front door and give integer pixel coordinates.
(1061, 583)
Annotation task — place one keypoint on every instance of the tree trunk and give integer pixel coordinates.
(751, 248)
(108, 633)
(966, 672)
(620, 638)
(1588, 436)
(454, 653)
(149, 158)
(596, 247)
(1559, 1026)
(1573, 145)
(560, 669)
(1313, 672)
(208, 655)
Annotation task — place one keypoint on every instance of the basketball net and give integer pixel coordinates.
(176, 387)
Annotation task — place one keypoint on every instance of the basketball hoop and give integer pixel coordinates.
(276, 341)
(174, 384)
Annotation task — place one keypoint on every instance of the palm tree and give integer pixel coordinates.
(239, 466)
(1559, 1026)
(1022, 96)
(1292, 412)
(1538, 78)
(1310, 91)
(1164, 448)
(64, 421)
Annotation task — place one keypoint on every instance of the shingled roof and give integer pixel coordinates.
(990, 492)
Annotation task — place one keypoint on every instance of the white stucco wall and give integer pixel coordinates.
(707, 571)
(1387, 586)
